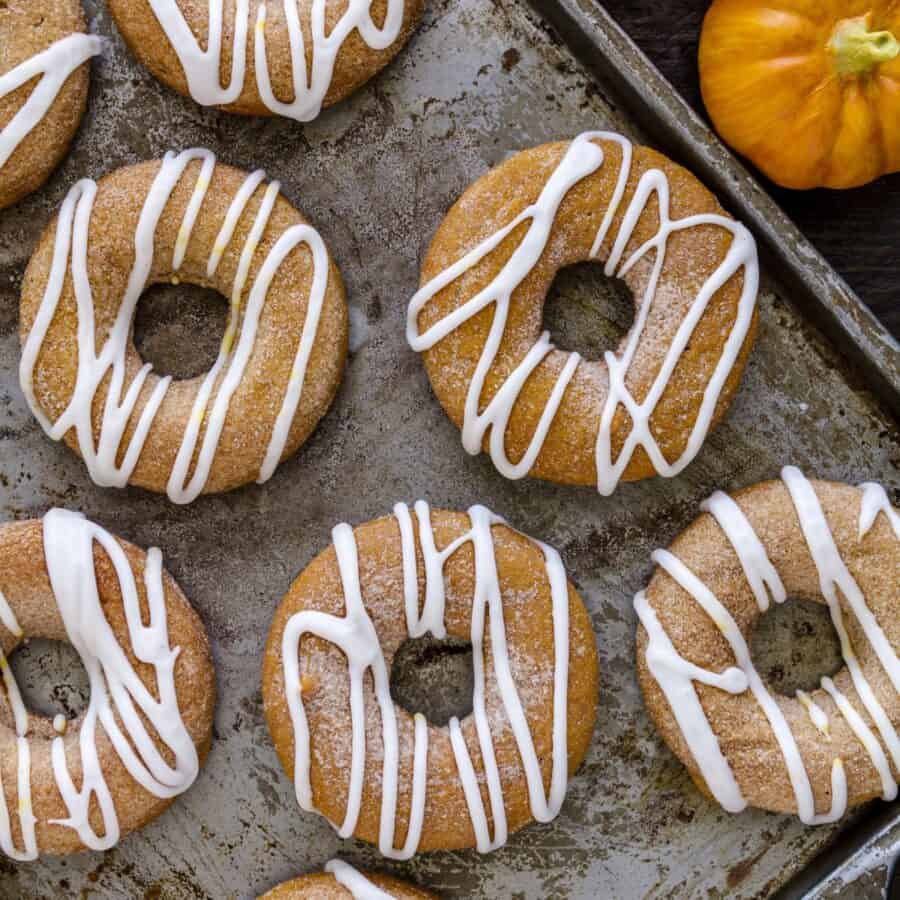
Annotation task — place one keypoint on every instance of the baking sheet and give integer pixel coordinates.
(481, 79)
(857, 866)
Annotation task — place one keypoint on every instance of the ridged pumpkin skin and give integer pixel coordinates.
(808, 90)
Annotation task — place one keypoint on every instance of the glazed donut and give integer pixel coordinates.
(341, 881)
(817, 754)
(280, 360)
(407, 785)
(285, 57)
(477, 317)
(70, 786)
(45, 40)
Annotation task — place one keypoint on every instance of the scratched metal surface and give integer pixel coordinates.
(867, 875)
(480, 79)
(862, 864)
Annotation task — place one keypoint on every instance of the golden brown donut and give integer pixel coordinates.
(325, 886)
(547, 642)
(287, 331)
(65, 579)
(477, 317)
(164, 36)
(44, 76)
(815, 754)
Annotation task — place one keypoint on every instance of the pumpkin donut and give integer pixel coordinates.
(389, 777)
(340, 881)
(68, 786)
(44, 76)
(280, 360)
(817, 754)
(281, 57)
(477, 318)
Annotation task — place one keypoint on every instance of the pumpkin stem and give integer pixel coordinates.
(856, 50)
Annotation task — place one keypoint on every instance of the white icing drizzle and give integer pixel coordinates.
(118, 697)
(866, 738)
(676, 676)
(581, 160)
(72, 234)
(54, 66)
(817, 715)
(874, 501)
(764, 581)
(355, 635)
(202, 67)
(355, 882)
(834, 576)
(8, 618)
(27, 820)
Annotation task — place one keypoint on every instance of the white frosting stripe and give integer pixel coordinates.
(27, 821)
(741, 256)
(118, 695)
(355, 882)
(54, 66)
(224, 378)
(764, 581)
(817, 715)
(355, 635)
(432, 618)
(675, 675)
(292, 238)
(13, 698)
(202, 67)
(834, 576)
(780, 728)
(582, 159)
(115, 686)
(8, 618)
(875, 500)
(865, 737)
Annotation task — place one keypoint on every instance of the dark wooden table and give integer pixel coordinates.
(858, 231)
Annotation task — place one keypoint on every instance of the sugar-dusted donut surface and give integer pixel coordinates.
(644, 409)
(413, 786)
(281, 359)
(148, 725)
(44, 75)
(816, 754)
(315, 52)
(341, 881)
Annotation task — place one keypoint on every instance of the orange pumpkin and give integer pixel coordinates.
(809, 90)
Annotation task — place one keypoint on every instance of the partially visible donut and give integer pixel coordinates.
(340, 881)
(67, 786)
(281, 359)
(478, 315)
(44, 74)
(417, 786)
(249, 60)
(816, 754)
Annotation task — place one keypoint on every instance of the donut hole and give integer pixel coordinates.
(179, 328)
(51, 678)
(794, 645)
(588, 312)
(434, 677)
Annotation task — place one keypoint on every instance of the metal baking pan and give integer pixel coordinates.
(481, 79)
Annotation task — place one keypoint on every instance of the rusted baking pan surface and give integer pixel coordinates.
(376, 174)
